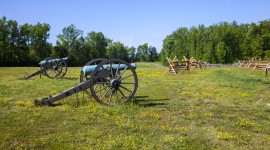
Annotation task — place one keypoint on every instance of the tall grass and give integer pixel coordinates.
(214, 108)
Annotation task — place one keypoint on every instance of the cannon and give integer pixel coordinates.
(109, 81)
(51, 67)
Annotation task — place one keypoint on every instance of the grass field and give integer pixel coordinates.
(214, 108)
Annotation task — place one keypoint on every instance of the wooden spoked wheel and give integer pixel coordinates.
(55, 69)
(113, 82)
(84, 77)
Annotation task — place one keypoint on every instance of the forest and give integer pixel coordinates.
(219, 43)
(27, 44)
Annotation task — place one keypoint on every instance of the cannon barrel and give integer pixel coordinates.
(43, 62)
(87, 70)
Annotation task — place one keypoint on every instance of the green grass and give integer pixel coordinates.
(214, 108)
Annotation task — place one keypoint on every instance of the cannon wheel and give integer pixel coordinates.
(57, 69)
(113, 86)
(84, 77)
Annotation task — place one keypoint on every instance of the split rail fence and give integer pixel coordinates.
(175, 65)
(258, 64)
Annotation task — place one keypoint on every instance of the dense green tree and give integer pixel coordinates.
(220, 43)
(39, 47)
(254, 42)
(59, 51)
(12, 27)
(117, 50)
(132, 54)
(193, 33)
(96, 44)
(4, 42)
(176, 44)
(142, 52)
(202, 37)
(23, 45)
(265, 33)
(152, 51)
(146, 53)
(167, 51)
(23, 53)
(71, 39)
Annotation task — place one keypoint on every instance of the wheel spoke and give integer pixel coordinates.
(100, 86)
(59, 63)
(125, 88)
(62, 72)
(127, 83)
(122, 94)
(105, 94)
(126, 77)
(100, 89)
(96, 87)
(50, 73)
(116, 73)
(110, 98)
(111, 70)
(122, 72)
(56, 73)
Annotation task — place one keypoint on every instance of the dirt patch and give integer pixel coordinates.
(268, 104)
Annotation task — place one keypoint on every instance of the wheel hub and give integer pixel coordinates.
(115, 83)
(55, 67)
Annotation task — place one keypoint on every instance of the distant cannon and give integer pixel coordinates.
(109, 81)
(51, 67)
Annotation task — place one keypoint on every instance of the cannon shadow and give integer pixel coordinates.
(145, 101)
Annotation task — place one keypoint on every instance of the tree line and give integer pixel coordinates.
(27, 45)
(220, 43)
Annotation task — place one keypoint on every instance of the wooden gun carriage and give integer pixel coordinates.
(109, 81)
(51, 67)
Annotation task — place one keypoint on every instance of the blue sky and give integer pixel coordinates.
(133, 22)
